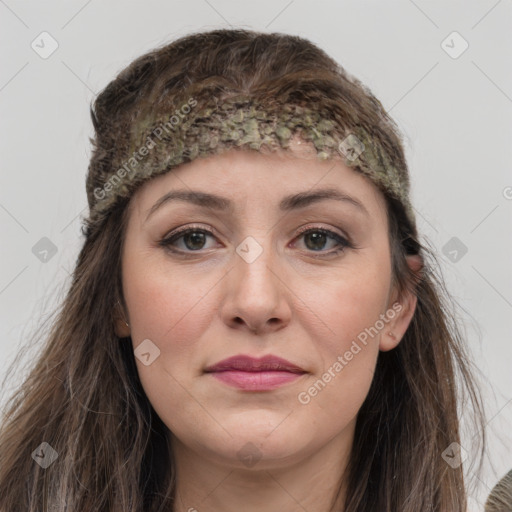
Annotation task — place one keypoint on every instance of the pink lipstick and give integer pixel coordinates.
(255, 374)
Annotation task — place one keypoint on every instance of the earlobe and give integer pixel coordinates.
(397, 327)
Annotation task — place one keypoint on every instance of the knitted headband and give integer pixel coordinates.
(158, 144)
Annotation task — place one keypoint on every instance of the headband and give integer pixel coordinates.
(158, 144)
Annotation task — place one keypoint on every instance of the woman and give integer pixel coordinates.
(253, 323)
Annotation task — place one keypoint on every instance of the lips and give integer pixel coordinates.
(251, 364)
(252, 374)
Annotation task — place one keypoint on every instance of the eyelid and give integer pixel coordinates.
(312, 226)
(191, 227)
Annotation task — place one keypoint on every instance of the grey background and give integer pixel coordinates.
(454, 113)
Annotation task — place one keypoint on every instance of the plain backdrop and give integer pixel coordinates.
(442, 70)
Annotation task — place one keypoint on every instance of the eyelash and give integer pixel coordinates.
(343, 243)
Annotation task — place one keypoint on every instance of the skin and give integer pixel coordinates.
(211, 304)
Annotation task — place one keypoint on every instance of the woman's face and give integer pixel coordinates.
(245, 281)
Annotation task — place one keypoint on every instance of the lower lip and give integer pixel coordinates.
(256, 381)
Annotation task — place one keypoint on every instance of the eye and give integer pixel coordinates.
(316, 238)
(193, 238)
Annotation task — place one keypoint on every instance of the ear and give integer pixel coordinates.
(404, 308)
(122, 330)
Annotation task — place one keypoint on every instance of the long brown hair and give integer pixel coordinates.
(83, 396)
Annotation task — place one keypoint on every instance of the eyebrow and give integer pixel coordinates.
(288, 203)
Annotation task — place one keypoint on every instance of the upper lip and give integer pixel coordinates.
(253, 364)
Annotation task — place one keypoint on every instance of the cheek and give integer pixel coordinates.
(167, 305)
(173, 310)
(351, 309)
(360, 304)
(349, 305)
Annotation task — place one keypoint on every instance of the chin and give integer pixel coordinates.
(258, 455)
(261, 446)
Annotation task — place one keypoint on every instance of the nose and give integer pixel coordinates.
(257, 295)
